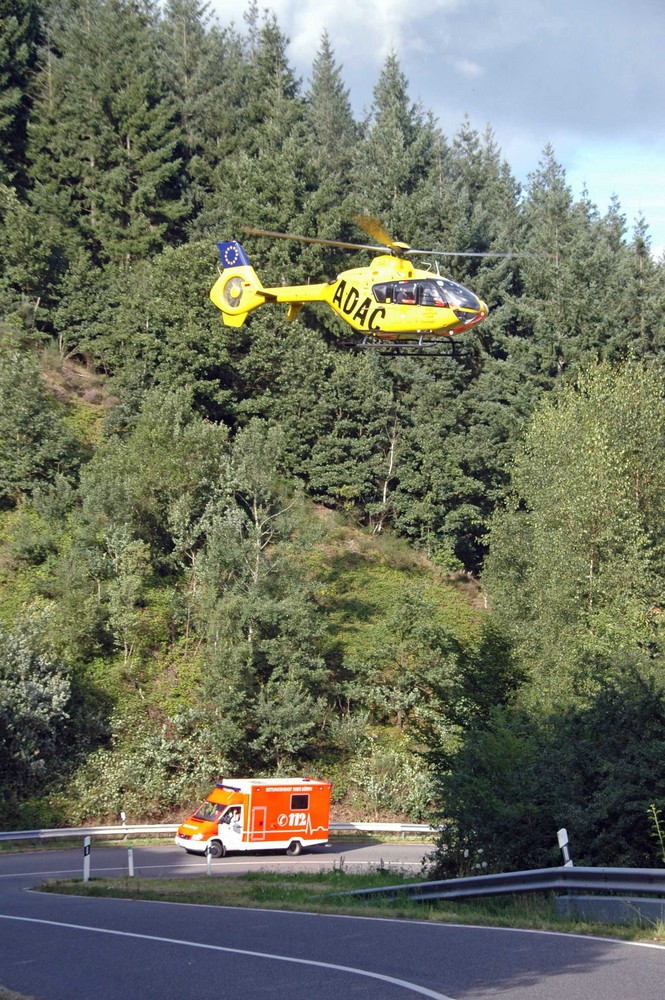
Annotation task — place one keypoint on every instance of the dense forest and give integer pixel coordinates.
(436, 581)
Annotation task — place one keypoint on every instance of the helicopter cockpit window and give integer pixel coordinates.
(457, 295)
(406, 293)
(383, 293)
(432, 295)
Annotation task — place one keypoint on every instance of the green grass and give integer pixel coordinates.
(321, 893)
(364, 580)
(11, 995)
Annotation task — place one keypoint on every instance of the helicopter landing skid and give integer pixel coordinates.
(421, 348)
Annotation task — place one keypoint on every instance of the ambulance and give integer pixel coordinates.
(259, 814)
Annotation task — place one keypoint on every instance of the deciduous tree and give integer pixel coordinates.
(576, 565)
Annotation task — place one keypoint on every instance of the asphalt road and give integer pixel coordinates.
(76, 948)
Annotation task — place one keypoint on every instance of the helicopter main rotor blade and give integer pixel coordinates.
(310, 239)
(374, 228)
(470, 253)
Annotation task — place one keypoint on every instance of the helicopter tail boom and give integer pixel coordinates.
(238, 289)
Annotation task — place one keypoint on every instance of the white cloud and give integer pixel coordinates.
(468, 69)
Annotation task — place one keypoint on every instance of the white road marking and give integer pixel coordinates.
(403, 983)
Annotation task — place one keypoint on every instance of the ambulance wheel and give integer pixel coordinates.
(294, 849)
(216, 849)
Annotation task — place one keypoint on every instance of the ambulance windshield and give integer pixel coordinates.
(208, 810)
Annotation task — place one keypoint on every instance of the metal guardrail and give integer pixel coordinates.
(170, 828)
(608, 880)
(89, 831)
(628, 880)
(386, 827)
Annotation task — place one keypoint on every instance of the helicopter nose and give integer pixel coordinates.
(470, 317)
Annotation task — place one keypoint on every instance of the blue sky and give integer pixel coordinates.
(588, 78)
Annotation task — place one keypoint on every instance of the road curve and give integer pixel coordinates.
(77, 948)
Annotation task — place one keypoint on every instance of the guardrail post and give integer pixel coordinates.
(86, 859)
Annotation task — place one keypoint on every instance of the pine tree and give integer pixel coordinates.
(263, 181)
(32, 261)
(104, 140)
(205, 72)
(436, 500)
(354, 428)
(258, 614)
(544, 307)
(642, 302)
(151, 324)
(269, 75)
(331, 137)
(19, 36)
(34, 442)
(330, 117)
(54, 147)
(399, 149)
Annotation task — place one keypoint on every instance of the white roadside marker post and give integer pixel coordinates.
(86, 859)
(562, 837)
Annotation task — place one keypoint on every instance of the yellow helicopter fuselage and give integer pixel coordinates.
(388, 299)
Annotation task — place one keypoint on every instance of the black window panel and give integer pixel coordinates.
(383, 292)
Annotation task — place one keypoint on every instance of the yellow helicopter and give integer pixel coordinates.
(388, 302)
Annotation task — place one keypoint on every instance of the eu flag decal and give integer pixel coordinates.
(233, 255)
